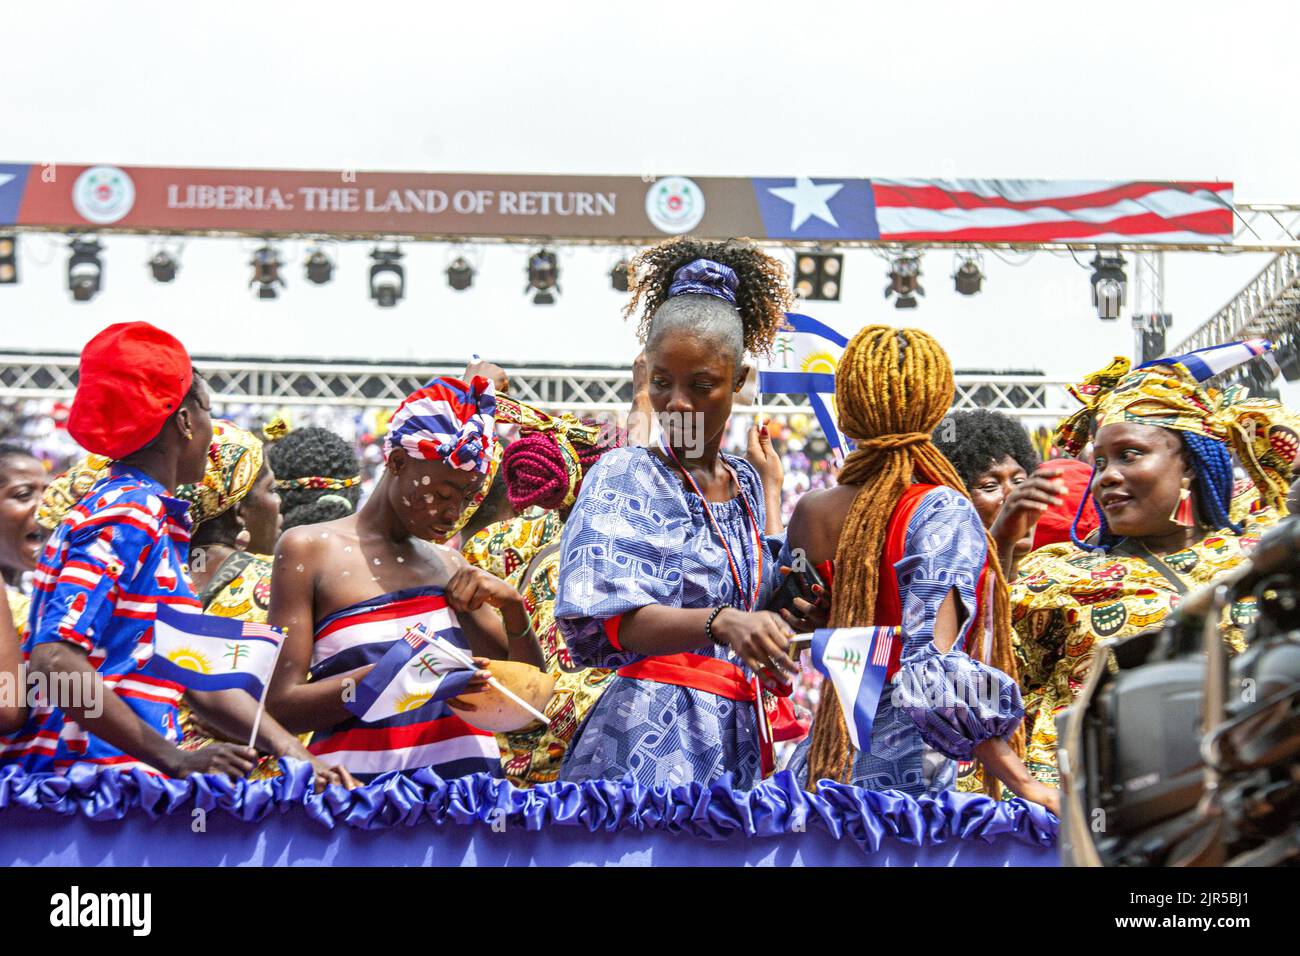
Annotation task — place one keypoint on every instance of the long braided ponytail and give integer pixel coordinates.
(892, 387)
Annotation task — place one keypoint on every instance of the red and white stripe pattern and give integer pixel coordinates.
(884, 646)
(1030, 210)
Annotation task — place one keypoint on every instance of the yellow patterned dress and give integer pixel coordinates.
(1067, 601)
(241, 589)
(506, 549)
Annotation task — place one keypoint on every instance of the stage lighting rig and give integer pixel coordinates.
(8, 259)
(620, 276)
(164, 266)
(387, 277)
(817, 276)
(1109, 285)
(543, 277)
(460, 274)
(969, 277)
(904, 281)
(266, 272)
(85, 270)
(319, 267)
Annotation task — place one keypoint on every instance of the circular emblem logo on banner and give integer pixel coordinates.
(674, 204)
(103, 194)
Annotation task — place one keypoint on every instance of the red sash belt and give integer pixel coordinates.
(725, 679)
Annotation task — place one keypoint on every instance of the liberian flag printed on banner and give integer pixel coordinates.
(1206, 363)
(856, 659)
(805, 357)
(206, 652)
(417, 670)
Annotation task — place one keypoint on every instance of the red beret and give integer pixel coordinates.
(1054, 523)
(133, 377)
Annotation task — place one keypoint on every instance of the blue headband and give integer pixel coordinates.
(705, 277)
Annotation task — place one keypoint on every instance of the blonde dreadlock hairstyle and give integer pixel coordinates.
(892, 387)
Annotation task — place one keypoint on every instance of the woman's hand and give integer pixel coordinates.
(1024, 506)
(1041, 793)
(765, 459)
(760, 639)
(233, 760)
(477, 684)
(810, 612)
(470, 588)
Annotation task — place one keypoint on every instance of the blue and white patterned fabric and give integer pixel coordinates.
(636, 537)
(939, 706)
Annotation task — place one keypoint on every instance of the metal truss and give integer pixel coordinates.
(1268, 306)
(271, 383)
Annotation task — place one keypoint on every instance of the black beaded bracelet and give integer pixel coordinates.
(708, 628)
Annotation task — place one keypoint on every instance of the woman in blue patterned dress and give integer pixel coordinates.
(900, 544)
(665, 567)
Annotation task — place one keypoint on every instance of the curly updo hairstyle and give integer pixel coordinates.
(762, 297)
(307, 452)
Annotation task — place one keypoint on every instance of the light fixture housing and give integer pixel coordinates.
(85, 269)
(460, 274)
(969, 277)
(319, 267)
(620, 276)
(8, 259)
(266, 272)
(164, 266)
(817, 276)
(387, 277)
(1109, 286)
(904, 281)
(543, 277)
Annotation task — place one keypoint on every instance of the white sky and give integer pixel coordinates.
(1102, 90)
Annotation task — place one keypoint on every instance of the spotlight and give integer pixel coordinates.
(817, 276)
(320, 268)
(619, 276)
(904, 284)
(163, 266)
(460, 274)
(8, 260)
(1150, 334)
(85, 271)
(543, 277)
(969, 277)
(1109, 285)
(387, 277)
(266, 272)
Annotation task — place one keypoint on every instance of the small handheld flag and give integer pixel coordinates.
(419, 669)
(1206, 363)
(807, 353)
(205, 652)
(857, 660)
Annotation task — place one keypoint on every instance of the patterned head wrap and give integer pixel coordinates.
(234, 462)
(705, 277)
(317, 483)
(447, 421)
(1170, 393)
(69, 488)
(529, 466)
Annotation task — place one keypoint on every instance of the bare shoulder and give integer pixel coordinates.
(310, 544)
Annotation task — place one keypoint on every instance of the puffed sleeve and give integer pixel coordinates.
(621, 550)
(955, 701)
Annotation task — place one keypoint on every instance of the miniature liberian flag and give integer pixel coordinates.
(856, 659)
(1208, 362)
(805, 357)
(417, 670)
(206, 652)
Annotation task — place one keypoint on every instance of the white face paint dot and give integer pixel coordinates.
(348, 549)
(299, 568)
(424, 480)
(347, 574)
(377, 561)
(324, 535)
(401, 560)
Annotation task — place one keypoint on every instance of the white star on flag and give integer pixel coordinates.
(5, 177)
(807, 200)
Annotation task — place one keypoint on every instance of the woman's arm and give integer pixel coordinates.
(1000, 760)
(760, 638)
(302, 705)
(13, 688)
(771, 472)
(472, 593)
